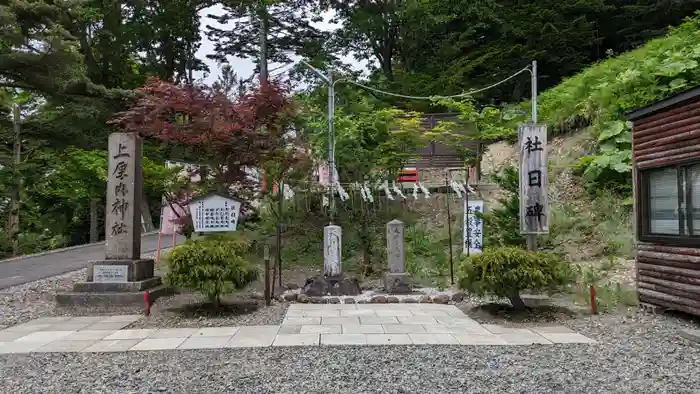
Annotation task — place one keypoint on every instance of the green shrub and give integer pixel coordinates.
(508, 271)
(213, 266)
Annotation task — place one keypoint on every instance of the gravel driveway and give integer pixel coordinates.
(638, 354)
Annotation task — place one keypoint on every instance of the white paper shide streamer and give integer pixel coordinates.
(385, 187)
(396, 190)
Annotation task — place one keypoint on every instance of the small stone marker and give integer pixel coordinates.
(122, 276)
(395, 280)
(395, 246)
(332, 243)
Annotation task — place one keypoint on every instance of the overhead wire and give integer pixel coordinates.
(461, 95)
(287, 65)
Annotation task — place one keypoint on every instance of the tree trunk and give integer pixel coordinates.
(146, 214)
(517, 302)
(94, 235)
(13, 225)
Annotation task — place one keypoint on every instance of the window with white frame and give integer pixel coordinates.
(672, 201)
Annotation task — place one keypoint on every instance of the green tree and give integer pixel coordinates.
(285, 26)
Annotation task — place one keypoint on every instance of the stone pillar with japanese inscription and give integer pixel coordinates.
(124, 190)
(332, 246)
(123, 276)
(395, 280)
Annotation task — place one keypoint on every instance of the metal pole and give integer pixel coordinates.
(331, 142)
(532, 238)
(534, 91)
(466, 225)
(449, 226)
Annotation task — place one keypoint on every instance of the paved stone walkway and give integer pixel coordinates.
(304, 325)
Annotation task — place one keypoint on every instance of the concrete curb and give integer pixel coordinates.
(690, 335)
(48, 252)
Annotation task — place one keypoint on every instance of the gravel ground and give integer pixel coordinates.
(637, 354)
(32, 300)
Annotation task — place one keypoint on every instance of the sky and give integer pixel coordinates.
(244, 67)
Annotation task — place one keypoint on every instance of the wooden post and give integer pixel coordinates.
(268, 290)
(594, 301)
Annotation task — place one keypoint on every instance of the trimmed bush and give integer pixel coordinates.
(213, 266)
(508, 271)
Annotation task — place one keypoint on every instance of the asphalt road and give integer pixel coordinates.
(28, 269)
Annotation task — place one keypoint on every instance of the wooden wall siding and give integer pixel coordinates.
(427, 161)
(667, 137)
(669, 277)
(437, 155)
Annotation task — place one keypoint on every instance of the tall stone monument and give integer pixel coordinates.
(123, 275)
(396, 280)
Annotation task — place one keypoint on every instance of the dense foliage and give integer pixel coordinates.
(426, 47)
(74, 65)
(502, 223)
(212, 266)
(601, 95)
(509, 271)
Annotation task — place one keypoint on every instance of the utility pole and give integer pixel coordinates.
(332, 234)
(331, 143)
(532, 238)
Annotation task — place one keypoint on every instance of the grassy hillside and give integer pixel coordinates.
(590, 153)
(599, 97)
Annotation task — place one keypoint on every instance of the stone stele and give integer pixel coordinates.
(396, 281)
(122, 276)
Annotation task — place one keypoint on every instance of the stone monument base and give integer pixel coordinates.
(322, 285)
(397, 284)
(115, 283)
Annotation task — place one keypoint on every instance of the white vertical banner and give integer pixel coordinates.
(534, 205)
(473, 227)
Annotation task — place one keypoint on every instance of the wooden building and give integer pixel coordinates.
(434, 161)
(437, 155)
(666, 181)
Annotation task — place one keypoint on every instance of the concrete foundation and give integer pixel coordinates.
(397, 284)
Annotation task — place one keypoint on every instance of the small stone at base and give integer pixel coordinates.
(458, 297)
(425, 300)
(392, 300)
(378, 300)
(409, 301)
(440, 299)
(334, 300)
(303, 298)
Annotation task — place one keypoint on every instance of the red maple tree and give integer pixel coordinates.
(227, 138)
